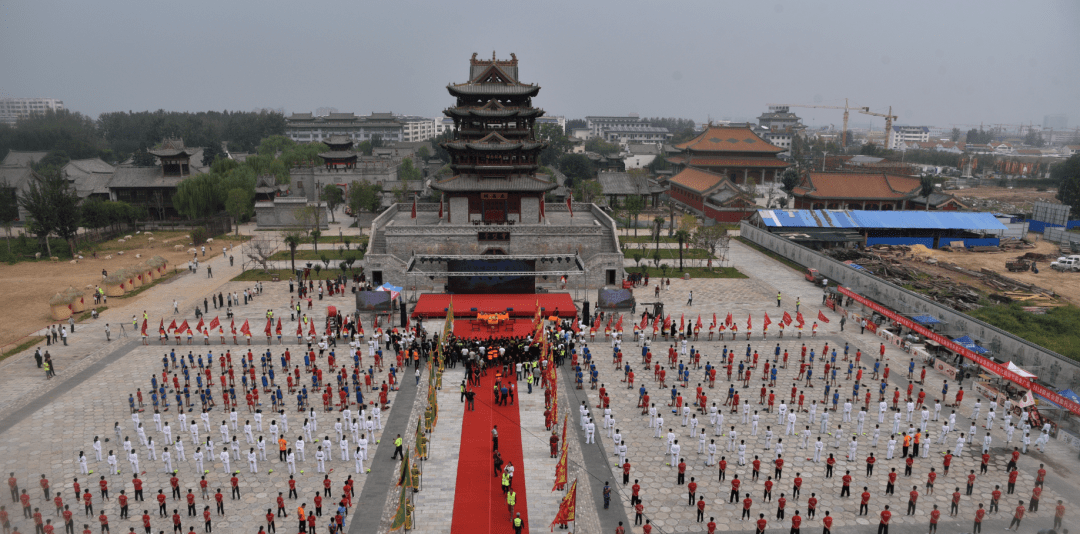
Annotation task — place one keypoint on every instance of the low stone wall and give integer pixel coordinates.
(1050, 366)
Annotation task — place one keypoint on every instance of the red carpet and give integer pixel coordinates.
(479, 504)
(467, 306)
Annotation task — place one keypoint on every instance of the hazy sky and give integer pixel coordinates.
(935, 62)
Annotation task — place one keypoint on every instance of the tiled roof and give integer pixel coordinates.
(729, 139)
(624, 183)
(130, 176)
(471, 182)
(22, 159)
(731, 162)
(493, 89)
(697, 179)
(857, 185)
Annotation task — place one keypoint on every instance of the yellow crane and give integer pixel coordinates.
(888, 120)
(845, 107)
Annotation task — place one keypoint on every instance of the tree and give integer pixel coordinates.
(789, 180)
(955, 135)
(587, 190)
(237, 205)
(311, 217)
(292, 239)
(334, 197)
(53, 206)
(423, 153)
(1067, 175)
(683, 236)
(600, 146)
(1034, 138)
(659, 222)
(364, 196)
(711, 238)
(577, 167)
(926, 186)
(634, 205)
(979, 136)
(260, 252)
(212, 152)
(407, 171)
(9, 210)
(142, 158)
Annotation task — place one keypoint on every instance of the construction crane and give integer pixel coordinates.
(845, 107)
(888, 120)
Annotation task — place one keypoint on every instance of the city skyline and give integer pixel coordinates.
(945, 65)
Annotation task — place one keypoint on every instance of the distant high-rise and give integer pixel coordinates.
(13, 109)
(1057, 121)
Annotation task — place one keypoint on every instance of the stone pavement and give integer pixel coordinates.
(666, 503)
(46, 423)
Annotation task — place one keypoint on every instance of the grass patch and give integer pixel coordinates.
(646, 239)
(667, 254)
(311, 255)
(164, 278)
(800, 268)
(1057, 330)
(30, 342)
(88, 314)
(258, 275)
(695, 272)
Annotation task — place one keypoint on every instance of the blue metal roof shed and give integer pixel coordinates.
(865, 219)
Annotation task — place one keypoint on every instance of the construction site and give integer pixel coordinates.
(969, 278)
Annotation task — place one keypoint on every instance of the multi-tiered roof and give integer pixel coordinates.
(494, 146)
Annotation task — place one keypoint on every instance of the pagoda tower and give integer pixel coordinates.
(495, 153)
(340, 154)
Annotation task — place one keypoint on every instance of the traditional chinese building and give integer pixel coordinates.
(489, 229)
(734, 151)
(494, 153)
(866, 191)
(340, 155)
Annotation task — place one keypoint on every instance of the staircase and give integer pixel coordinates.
(378, 243)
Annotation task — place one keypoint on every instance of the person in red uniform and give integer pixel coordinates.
(913, 498)
(781, 503)
(1017, 516)
(979, 515)
(1036, 494)
(1059, 514)
(123, 500)
(995, 496)
(954, 506)
(161, 505)
(701, 509)
(691, 489)
(935, 515)
(864, 505)
(883, 526)
(206, 519)
(104, 520)
(761, 524)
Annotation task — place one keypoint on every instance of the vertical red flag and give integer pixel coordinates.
(311, 331)
(144, 327)
(440, 205)
(567, 507)
(269, 325)
(541, 208)
(215, 323)
(667, 322)
(172, 325)
(644, 321)
(570, 202)
(713, 325)
(821, 317)
(682, 322)
(727, 321)
(799, 318)
(749, 322)
(698, 324)
(183, 327)
(161, 327)
(246, 328)
(767, 321)
(787, 319)
(414, 206)
(279, 326)
(618, 324)
(199, 326)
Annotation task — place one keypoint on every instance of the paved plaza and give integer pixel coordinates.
(44, 424)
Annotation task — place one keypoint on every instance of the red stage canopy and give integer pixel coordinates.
(435, 305)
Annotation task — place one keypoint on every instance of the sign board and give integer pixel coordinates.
(947, 369)
(982, 361)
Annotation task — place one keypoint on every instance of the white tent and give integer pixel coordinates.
(1016, 369)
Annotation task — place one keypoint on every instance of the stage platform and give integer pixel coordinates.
(434, 305)
(473, 329)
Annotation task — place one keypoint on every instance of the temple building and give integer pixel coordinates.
(494, 152)
(488, 228)
(340, 155)
(734, 151)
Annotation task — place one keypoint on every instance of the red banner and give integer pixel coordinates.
(279, 326)
(215, 323)
(787, 318)
(984, 362)
(821, 317)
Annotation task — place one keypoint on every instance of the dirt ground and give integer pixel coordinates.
(1003, 199)
(32, 284)
(1065, 284)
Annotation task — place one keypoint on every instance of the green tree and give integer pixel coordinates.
(423, 153)
(587, 190)
(658, 222)
(926, 186)
(634, 206)
(577, 167)
(53, 206)
(955, 135)
(334, 197)
(238, 205)
(364, 196)
(1067, 175)
(9, 210)
(600, 146)
(292, 239)
(1034, 138)
(311, 218)
(789, 179)
(274, 145)
(407, 171)
(683, 236)
(211, 152)
(142, 158)
(711, 238)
